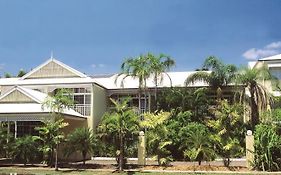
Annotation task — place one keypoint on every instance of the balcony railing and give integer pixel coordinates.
(83, 109)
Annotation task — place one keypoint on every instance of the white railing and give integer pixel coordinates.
(83, 109)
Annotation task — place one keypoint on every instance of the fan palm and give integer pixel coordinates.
(221, 74)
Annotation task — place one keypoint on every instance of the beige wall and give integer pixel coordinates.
(99, 105)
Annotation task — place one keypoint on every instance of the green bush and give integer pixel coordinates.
(267, 148)
(25, 149)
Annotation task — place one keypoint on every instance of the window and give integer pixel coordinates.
(276, 71)
(27, 128)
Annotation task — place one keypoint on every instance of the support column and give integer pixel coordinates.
(250, 149)
(141, 149)
(16, 129)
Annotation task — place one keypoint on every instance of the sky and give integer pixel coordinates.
(96, 36)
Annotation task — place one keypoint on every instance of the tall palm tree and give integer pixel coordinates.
(159, 65)
(221, 74)
(259, 97)
(142, 68)
(136, 68)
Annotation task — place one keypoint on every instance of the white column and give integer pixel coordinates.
(250, 149)
(141, 149)
(16, 129)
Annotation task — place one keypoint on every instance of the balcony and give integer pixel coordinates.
(84, 109)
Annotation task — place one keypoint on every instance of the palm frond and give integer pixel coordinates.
(198, 76)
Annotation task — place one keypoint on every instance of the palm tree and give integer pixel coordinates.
(136, 68)
(159, 65)
(221, 75)
(51, 136)
(259, 97)
(121, 123)
(82, 140)
(57, 103)
(197, 143)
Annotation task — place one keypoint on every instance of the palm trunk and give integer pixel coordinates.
(84, 157)
(219, 94)
(155, 93)
(121, 155)
(254, 109)
(56, 161)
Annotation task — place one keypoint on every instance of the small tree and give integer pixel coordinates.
(82, 140)
(6, 141)
(50, 135)
(51, 132)
(157, 136)
(121, 123)
(21, 73)
(8, 75)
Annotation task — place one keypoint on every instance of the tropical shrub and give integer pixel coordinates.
(229, 130)
(157, 136)
(82, 140)
(197, 143)
(25, 149)
(267, 148)
(174, 124)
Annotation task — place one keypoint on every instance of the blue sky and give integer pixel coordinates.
(96, 36)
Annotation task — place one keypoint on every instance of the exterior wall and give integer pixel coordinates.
(99, 105)
(73, 124)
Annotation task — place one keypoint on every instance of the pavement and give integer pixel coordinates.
(218, 162)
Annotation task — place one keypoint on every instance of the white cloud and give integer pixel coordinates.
(274, 45)
(269, 50)
(98, 65)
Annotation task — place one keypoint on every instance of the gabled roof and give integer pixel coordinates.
(271, 58)
(53, 68)
(21, 94)
(28, 101)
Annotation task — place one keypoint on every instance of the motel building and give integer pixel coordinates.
(21, 98)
